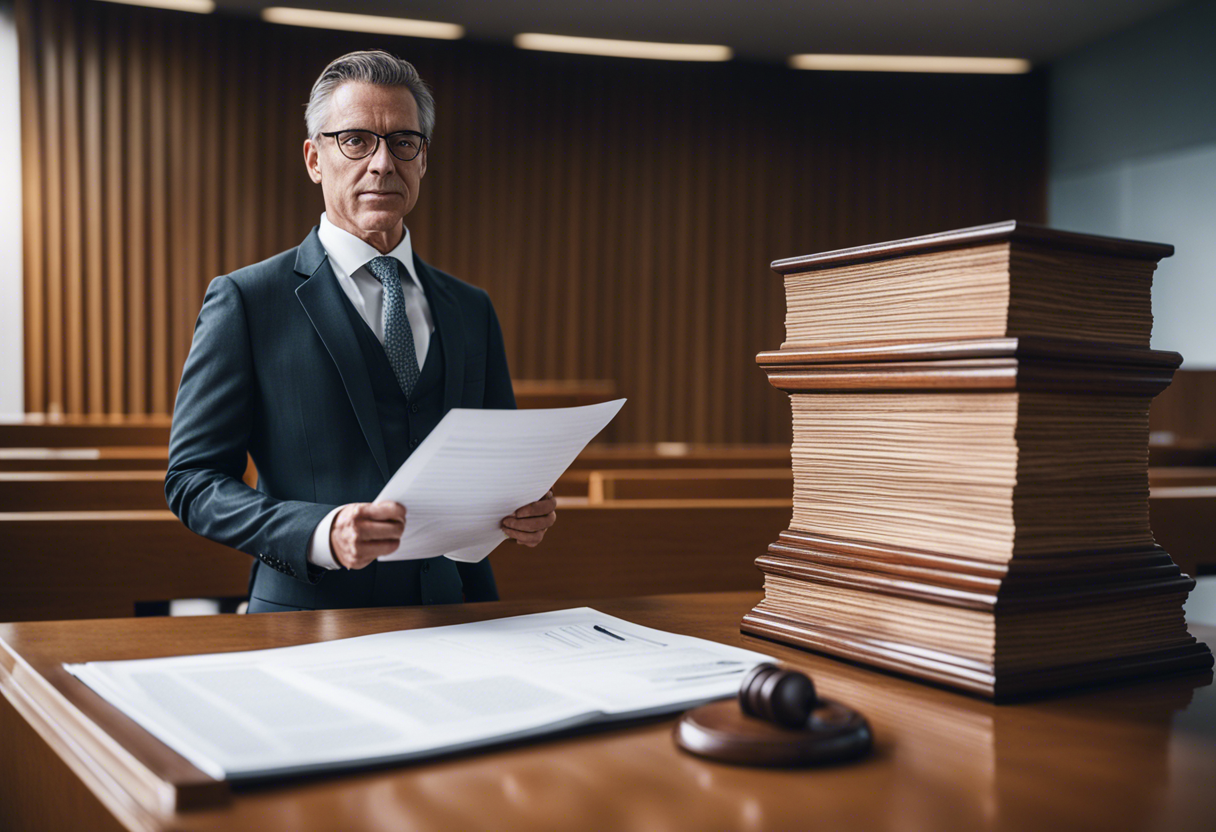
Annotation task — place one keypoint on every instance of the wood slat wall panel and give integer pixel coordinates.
(135, 236)
(73, 288)
(53, 199)
(33, 177)
(94, 213)
(621, 213)
(114, 263)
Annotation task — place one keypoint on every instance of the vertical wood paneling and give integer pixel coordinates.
(158, 152)
(136, 230)
(73, 237)
(214, 133)
(115, 211)
(184, 249)
(54, 197)
(621, 213)
(33, 175)
(94, 252)
(698, 266)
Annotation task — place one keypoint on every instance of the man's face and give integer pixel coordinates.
(368, 197)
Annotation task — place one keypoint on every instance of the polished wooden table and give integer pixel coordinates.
(1138, 756)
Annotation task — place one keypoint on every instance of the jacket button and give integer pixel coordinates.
(426, 567)
(414, 443)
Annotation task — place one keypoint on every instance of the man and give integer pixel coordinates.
(330, 363)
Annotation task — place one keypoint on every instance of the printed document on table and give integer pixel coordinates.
(413, 693)
(477, 467)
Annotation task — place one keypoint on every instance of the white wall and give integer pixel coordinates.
(1133, 147)
(12, 375)
(1168, 198)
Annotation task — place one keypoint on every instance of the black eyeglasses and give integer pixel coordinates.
(359, 144)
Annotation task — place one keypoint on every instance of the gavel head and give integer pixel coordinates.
(785, 697)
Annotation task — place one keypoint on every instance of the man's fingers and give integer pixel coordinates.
(376, 548)
(381, 511)
(543, 506)
(361, 554)
(367, 531)
(526, 538)
(530, 524)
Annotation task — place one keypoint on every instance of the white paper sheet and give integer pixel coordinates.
(477, 467)
(413, 693)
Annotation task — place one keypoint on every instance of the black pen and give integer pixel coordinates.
(606, 632)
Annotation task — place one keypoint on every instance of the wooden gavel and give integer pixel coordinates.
(778, 720)
(771, 693)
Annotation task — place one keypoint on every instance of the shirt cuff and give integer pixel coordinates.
(319, 553)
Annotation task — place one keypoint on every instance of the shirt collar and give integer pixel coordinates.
(350, 253)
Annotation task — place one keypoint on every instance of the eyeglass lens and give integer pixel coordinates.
(358, 144)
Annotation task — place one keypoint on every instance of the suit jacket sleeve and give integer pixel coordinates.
(478, 578)
(213, 420)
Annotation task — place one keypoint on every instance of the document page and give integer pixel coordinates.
(412, 693)
(478, 466)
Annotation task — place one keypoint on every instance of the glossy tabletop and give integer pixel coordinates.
(1134, 756)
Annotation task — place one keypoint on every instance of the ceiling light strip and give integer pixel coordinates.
(196, 6)
(624, 48)
(911, 63)
(362, 23)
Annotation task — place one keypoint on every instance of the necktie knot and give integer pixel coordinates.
(383, 268)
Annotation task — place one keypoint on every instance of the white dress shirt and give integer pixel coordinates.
(348, 257)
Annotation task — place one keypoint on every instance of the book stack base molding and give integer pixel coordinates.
(973, 511)
(1001, 633)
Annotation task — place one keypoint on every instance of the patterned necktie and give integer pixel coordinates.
(398, 336)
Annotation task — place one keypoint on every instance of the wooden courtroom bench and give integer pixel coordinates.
(1181, 476)
(99, 564)
(36, 430)
(1183, 520)
(659, 481)
(662, 456)
(630, 483)
(122, 458)
(89, 490)
(534, 393)
(573, 483)
(41, 430)
(81, 490)
(1182, 452)
(690, 484)
(654, 455)
(637, 546)
(644, 548)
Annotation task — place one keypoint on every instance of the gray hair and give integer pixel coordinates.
(369, 67)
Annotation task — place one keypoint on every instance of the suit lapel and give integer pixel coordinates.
(449, 323)
(322, 300)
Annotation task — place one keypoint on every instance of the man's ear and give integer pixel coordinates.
(312, 161)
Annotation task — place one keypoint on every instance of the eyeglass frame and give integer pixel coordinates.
(426, 140)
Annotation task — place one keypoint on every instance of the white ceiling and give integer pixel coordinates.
(771, 30)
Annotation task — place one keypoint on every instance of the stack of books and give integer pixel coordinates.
(970, 462)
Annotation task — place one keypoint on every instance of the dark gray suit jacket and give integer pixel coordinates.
(276, 370)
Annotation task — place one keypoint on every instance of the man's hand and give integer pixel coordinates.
(527, 525)
(362, 532)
